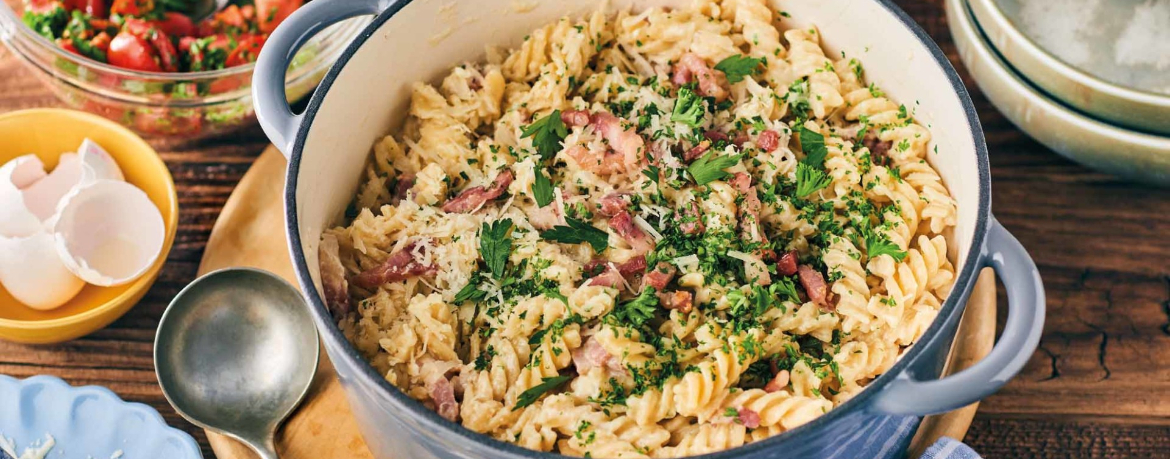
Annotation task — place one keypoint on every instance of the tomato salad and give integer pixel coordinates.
(158, 35)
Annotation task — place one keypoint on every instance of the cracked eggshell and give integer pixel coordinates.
(33, 273)
(16, 220)
(108, 232)
(41, 198)
(99, 162)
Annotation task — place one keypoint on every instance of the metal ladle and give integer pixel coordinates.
(235, 353)
(201, 9)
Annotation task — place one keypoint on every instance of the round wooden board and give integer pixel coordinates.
(250, 232)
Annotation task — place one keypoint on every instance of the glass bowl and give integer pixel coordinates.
(182, 105)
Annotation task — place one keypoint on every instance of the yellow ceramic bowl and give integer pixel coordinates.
(48, 133)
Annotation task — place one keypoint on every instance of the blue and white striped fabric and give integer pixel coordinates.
(949, 448)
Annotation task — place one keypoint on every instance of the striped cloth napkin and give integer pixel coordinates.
(949, 448)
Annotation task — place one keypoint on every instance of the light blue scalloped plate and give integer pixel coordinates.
(86, 422)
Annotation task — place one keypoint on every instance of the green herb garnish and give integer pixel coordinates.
(530, 396)
(547, 134)
(542, 188)
(495, 245)
(738, 66)
(577, 232)
(709, 168)
(813, 145)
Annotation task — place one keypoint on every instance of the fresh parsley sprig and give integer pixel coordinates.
(877, 245)
(495, 245)
(577, 232)
(548, 133)
(813, 145)
(542, 189)
(530, 396)
(738, 66)
(709, 168)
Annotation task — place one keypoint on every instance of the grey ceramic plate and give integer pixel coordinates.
(1096, 144)
(1107, 58)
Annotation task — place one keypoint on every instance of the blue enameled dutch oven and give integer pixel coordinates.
(366, 95)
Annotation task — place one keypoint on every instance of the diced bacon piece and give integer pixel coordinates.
(635, 265)
(697, 151)
(613, 275)
(443, 394)
(679, 300)
(768, 140)
(575, 118)
(691, 221)
(741, 138)
(814, 285)
(399, 266)
(623, 224)
(405, 183)
(778, 383)
(592, 355)
(879, 150)
(691, 67)
(609, 277)
(613, 203)
(749, 210)
(336, 288)
(659, 276)
(748, 418)
(786, 266)
(715, 136)
(623, 140)
(472, 198)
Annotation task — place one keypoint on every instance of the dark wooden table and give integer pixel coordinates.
(1099, 386)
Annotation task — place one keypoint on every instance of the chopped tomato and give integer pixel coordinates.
(175, 24)
(130, 51)
(67, 45)
(231, 17)
(101, 41)
(168, 57)
(95, 8)
(132, 7)
(270, 13)
(42, 6)
(246, 51)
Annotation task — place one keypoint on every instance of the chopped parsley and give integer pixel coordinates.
(530, 396)
(738, 66)
(542, 189)
(577, 232)
(547, 134)
(877, 245)
(709, 168)
(495, 245)
(813, 145)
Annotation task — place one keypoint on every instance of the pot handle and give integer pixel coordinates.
(907, 395)
(272, 109)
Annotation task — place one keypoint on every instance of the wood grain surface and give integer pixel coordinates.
(1099, 386)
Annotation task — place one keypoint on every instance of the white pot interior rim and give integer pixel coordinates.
(336, 341)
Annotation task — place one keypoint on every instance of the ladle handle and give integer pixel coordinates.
(264, 449)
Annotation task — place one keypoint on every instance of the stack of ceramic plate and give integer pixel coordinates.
(1088, 78)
